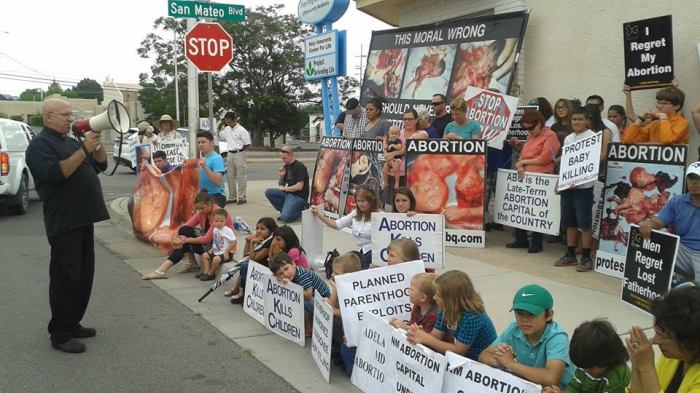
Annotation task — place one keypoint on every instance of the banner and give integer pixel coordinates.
(369, 372)
(254, 301)
(531, 204)
(447, 177)
(284, 310)
(641, 178)
(465, 375)
(383, 291)
(367, 161)
(407, 66)
(331, 175)
(176, 150)
(493, 112)
(648, 52)
(322, 335)
(413, 368)
(516, 128)
(580, 161)
(648, 267)
(427, 230)
(598, 202)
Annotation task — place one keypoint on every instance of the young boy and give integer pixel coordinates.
(425, 311)
(533, 347)
(342, 264)
(601, 358)
(577, 204)
(282, 266)
(222, 247)
(664, 124)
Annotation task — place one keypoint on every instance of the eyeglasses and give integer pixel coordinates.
(436, 103)
(64, 114)
(529, 128)
(663, 103)
(408, 118)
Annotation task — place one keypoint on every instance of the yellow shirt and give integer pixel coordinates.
(666, 368)
(671, 131)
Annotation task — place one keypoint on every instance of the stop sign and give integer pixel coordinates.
(208, 46)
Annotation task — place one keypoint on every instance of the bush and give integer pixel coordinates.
(17, 117)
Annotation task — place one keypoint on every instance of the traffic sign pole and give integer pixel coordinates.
(192, 99)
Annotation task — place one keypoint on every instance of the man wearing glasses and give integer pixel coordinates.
(664, 124)
(442, 118)
(65, 171)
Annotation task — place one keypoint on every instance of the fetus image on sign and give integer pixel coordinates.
(428, 70)
(328, 179)
(484, 64)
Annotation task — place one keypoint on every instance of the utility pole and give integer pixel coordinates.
(362, 57)
(177, 87)
(192, 100)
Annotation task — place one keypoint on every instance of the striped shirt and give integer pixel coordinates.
(308, 279)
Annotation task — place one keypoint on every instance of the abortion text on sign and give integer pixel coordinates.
(424, 229)
(493, 112)
(648, 52)
(254, 301)
(466, 375)
(322, 335)
(530, 204)
(284, 310)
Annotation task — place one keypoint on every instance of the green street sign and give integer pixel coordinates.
(200, 10)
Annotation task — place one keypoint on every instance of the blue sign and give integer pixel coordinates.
(316, 12)
(324, 55)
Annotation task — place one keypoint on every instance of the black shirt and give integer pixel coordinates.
(340, 119)
(439, 123)
(70, 202)
(294, 173)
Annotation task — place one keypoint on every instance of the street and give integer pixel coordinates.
(147, 341)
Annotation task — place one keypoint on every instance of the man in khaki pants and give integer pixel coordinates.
(237, 139)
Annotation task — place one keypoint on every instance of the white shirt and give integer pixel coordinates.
(222, 239)
(613, 129)
(574, 137)
(170, 136)
(362, 230)
(236, 137)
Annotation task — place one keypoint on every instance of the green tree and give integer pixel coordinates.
(3, 98)
(347, 88)
(86, 88)
(17, 117)
(31, 95)
(54, 88)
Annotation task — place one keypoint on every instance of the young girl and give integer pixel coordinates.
(404, 201)
(286, 240)
(257, 249)
(359, 220)
(393, 143)
(402, 250)
(222, 247)
(617, 115)
(461, 315)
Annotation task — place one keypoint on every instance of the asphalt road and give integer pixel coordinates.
(146, 340)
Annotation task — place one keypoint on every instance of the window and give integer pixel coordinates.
(15, 137)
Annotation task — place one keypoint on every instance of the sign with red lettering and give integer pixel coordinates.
(494, 113)
(209, 47)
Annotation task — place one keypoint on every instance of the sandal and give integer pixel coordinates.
(232, 292)
(189, 268)
(155, 275)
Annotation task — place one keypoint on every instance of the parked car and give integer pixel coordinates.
(15, 179)
(127, 141)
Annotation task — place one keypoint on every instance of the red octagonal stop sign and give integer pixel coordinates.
(208, 46)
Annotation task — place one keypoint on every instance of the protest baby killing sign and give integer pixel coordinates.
(530, 204)
(580, 161)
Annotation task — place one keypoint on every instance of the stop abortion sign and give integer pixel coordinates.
(208, 46)
(493, 111)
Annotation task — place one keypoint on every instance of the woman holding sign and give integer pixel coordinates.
(537, 156)
(677, 334)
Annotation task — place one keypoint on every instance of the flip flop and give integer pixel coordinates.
(189, 268)
(155, 275)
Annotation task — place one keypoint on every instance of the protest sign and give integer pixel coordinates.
(141, 155)
(531, 204)
(640, 179)
(284, 310)
(424, 229)
(466, 375)
(369, 372)
(312, 237)
(648, 52)
(331, 176)
(413, 368)
(648, 267)
(383, 291)
(254, 302)
(176, 150)
(447, 177)
(598, 202)
(493, 112)
(322, 335)
(580, 161)
(516, 128)
(407, 66)
(366, 163)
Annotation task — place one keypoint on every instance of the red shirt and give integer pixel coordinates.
(427, 321)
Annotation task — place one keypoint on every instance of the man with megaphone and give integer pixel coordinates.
(65, 171)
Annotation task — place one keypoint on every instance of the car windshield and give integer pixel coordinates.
(15, 138)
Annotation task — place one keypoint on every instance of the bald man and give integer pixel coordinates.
(65, 172)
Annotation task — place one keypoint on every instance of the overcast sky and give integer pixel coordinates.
(73, 39)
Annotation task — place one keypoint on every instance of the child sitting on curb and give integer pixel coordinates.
(223, 246)
(425, 311)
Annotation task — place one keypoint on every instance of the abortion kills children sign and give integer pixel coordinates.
(322, 335)
(466, 375)
(284, 310)
(530, 204)
(641, 179)
(383, 291)
(648, 52)
(424, 229)
(493, 112)
(648, 267)
(580, 161)
(254, 301)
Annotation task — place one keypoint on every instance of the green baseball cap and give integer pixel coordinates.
(533, 299)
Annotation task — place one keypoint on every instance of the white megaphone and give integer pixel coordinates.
(115, 117)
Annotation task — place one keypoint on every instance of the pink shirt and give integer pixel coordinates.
(543, 148)
(199, 220)
(298, 257)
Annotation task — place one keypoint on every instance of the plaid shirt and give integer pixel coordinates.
(355, 127)
(426, 321)
(473, 329)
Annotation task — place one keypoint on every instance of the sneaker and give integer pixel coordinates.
(586, 265)
(70, 346)
(566, 260)
(240, 225)
(206, 277)
(198, 275)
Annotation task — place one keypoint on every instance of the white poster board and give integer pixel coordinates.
(383, 291)
(531, 204)
(322, 336)
(176, 150)
(312, 236)
(413, 368)
(254, 295)
(284, 310)
(369, 369)
(465, 375)
(427, 230)
(580, 161)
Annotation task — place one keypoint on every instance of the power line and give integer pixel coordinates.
(34, 79)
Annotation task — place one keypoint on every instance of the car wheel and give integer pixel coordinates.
(21, 202)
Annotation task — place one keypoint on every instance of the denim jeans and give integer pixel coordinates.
(289, 205)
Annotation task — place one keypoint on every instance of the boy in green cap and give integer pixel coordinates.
(533, 347)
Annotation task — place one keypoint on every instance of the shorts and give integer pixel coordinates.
(576, 208)
(221, 256)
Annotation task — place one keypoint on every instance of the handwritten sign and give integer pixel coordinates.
(322, 335)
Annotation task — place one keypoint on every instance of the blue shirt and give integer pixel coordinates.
(473, 329)
(308, 279)
(553, 345)
(685, 218)
(465, 131)
(217, 165)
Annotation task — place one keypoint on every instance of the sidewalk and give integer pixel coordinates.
(497, 273)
